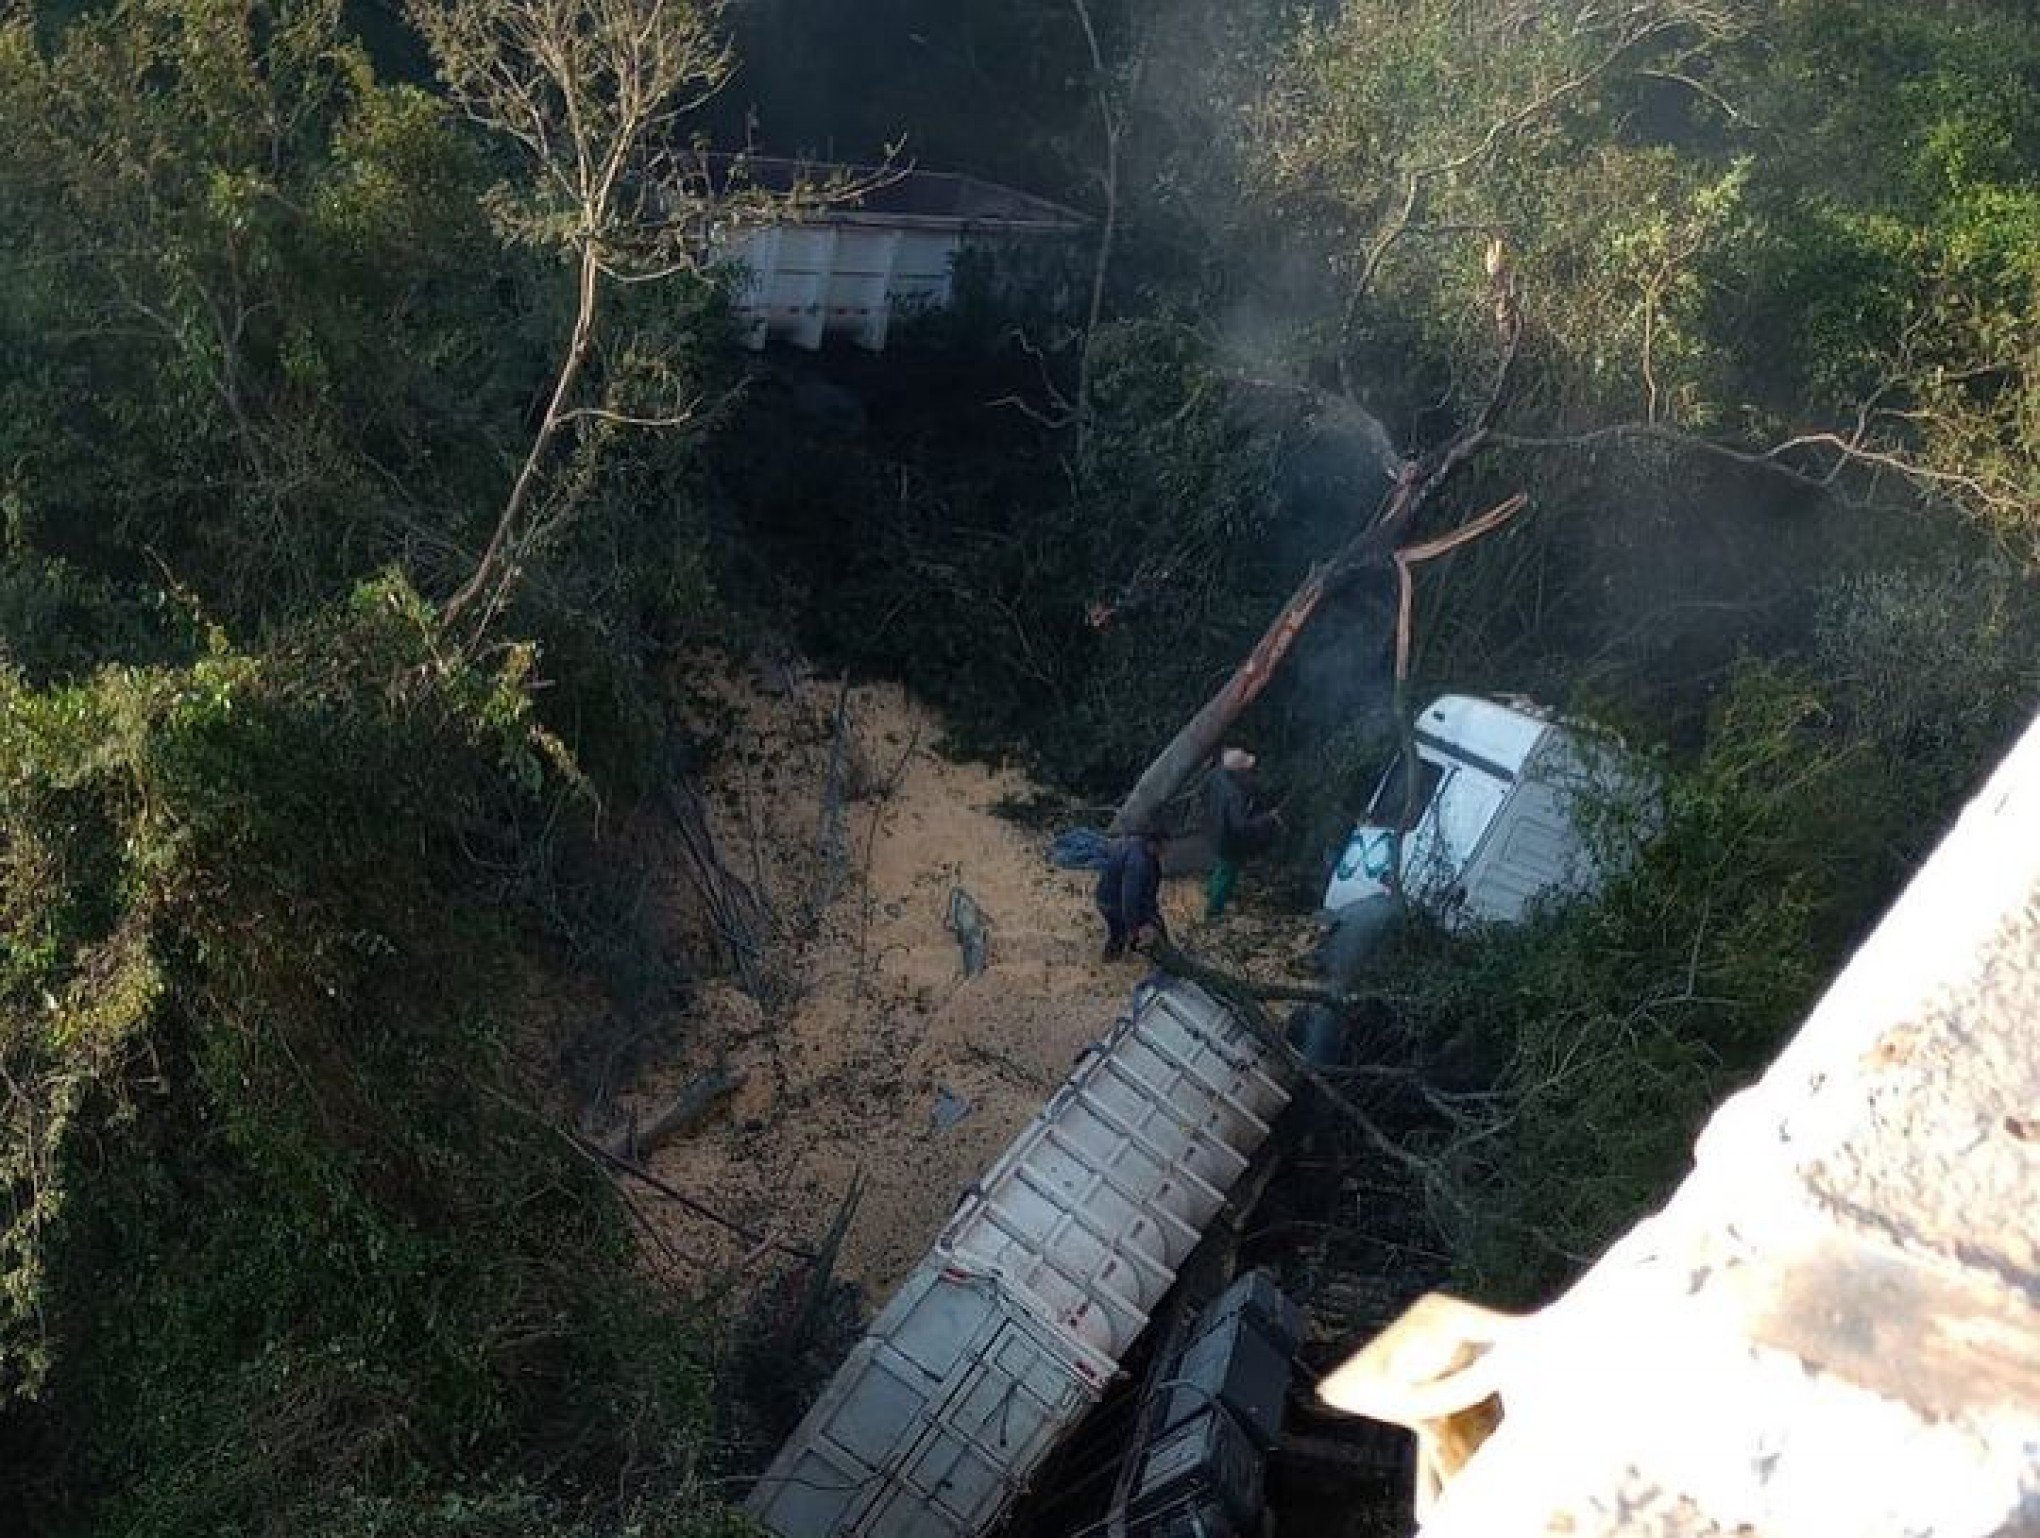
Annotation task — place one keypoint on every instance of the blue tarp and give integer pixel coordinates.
(1080, 849)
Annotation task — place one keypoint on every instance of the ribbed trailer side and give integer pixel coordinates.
(996, 1346)
(1088, 1214)
(932, 1426)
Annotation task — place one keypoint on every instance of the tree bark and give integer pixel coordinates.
(682, 1112)
(1205, 731)
(1372, 549)
(1109, 234)
(1201, 736)
(486, 577)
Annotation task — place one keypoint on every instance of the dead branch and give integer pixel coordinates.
(831, 844)
(1408, 559)
(822, 1270)
(741, 918)
(596, 1153)
(1245, 997)
(700, 1209)
(1179, 963)
(1112, 119)
(1373, 548)
(679, 1115)
(1798, 459)
(892, 781)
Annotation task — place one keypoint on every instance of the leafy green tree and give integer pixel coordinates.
(1881, 309)
(286, 1241)
(240, 278)
(1395, 139)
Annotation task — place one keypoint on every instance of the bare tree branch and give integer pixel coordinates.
(1373, 547)
(583, 86)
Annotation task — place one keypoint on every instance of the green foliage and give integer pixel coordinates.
(281, 1250)
(1396, 138)
(280, 1231)
(240, 280)
(266, 343)
(1889, 282)
(1610, 1031)
(1078, 607)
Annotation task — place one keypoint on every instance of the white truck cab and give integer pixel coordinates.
(1498, 817)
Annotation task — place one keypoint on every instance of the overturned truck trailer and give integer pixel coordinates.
(1013, 1326)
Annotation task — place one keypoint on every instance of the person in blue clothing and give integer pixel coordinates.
(1130, 893)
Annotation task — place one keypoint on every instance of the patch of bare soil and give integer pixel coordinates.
(867, 1050)
(871, 1051)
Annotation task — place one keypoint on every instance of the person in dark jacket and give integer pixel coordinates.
(1130, 893)
(1237, 830)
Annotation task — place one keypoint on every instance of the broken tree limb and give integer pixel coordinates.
(821, 1271)
(1179, 963)
(1246, 997)
(598, 1155)
(1406, 563)
(681, 1113)
(1408, 560)
(673, 1194)
(742, 919)
(1374, 548)
(832, 839)
(1202, 735)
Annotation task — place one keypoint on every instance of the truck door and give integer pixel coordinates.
(1009, 1404)
(1436, 856)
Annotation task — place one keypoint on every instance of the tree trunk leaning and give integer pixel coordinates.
(1373, 548)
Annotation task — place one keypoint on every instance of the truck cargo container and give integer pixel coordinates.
(1012, 1327)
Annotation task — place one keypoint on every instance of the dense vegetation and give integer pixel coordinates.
(342, 583)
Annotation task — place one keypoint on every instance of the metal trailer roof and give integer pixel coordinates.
(1091, 1210)
(933, 1425)
(1016, 1321)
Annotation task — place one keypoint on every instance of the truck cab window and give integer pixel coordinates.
(1392, 806)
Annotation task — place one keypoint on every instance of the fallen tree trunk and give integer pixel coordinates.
(682, 1112)
(1203, 734)
(1374, 548)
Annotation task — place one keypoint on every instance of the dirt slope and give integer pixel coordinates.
(878, 1029)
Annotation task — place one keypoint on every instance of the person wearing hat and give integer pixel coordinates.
(1237, 830)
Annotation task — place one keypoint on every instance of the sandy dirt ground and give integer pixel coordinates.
(879, 1056)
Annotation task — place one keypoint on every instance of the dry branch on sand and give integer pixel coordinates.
(683, 1112)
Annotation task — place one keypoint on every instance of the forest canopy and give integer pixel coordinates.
(379, 464)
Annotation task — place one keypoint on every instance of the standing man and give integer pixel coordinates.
(1236, 830)
(1130, 892)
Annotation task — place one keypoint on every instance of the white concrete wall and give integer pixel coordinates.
(1833, 1328)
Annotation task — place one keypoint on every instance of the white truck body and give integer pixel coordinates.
(933, 1424)
(1015, 1323)
(1502, 814)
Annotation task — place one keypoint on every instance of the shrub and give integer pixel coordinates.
(281, 1238)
